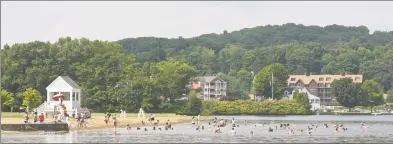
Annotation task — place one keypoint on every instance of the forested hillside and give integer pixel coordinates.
(151, 67)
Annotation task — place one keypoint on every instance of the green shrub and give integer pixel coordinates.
(248, 107)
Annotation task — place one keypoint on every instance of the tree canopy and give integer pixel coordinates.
(263, 81)
(346, 92)
(372, 94)
(151, 67)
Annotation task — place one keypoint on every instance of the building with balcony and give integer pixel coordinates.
(210, 87)
(319, 85)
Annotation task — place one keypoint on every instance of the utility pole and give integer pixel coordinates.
(272, 83)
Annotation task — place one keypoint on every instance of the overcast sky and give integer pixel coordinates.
(104, 20)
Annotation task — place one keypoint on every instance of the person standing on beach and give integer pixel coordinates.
(151, 118)
(26, 117)
(35, 117)
(59, 117)
(73, 112)
(41, 118)
(68, 121)
(115, 122)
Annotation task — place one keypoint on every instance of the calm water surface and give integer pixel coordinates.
(380, 131)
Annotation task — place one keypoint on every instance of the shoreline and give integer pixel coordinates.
(101, 126)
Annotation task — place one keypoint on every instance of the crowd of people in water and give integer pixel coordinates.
(217, 125)
(214, 125)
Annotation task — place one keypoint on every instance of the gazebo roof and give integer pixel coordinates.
(63, 81)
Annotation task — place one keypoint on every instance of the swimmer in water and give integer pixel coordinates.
(193, 121)
(138, 128)
(128, 127)
(291, 132)
(145, 129)
(245, 122)
(310, 128)
(233, 122)
(232, 131)
(363, 127)
(218, 130)
(252, 133)
(270, 129)
(325, 125)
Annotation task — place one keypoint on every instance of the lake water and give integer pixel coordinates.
(380, 131)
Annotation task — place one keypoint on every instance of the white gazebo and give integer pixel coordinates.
(68, 88)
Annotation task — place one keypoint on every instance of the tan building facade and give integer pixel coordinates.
(319, 85)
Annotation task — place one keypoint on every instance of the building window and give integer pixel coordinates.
(357, 78)
(328, 85)
(291, 84)
(320, 84)
(321, 79)
(328, 79)
(293, 79)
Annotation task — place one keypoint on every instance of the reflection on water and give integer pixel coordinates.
(380, 131)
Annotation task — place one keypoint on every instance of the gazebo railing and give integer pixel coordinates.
(41, 108)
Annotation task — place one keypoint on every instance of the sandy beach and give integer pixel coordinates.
(97, 120)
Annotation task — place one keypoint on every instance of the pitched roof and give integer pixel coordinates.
(306, 79)
(209, 78)
(310, 96)
(70, 82)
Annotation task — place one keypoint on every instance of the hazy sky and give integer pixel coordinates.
(47, 21)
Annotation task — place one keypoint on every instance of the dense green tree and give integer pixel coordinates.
(389, 98)
(346, 92)
(31, 98)
(372, 94)
(302, 98)
(193, 105)
(199, 57)
(6, 98)
(262, 83)
(236, 87)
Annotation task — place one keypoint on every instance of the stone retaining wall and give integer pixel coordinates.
(35, 127)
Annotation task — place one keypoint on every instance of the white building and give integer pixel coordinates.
(314, 101)
(212, 87)
(71, 91)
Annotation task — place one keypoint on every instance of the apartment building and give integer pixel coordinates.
(211, 87)
(319, 85)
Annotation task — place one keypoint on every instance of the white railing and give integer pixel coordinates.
(41, 108)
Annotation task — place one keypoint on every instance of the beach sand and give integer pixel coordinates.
(97, 120)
